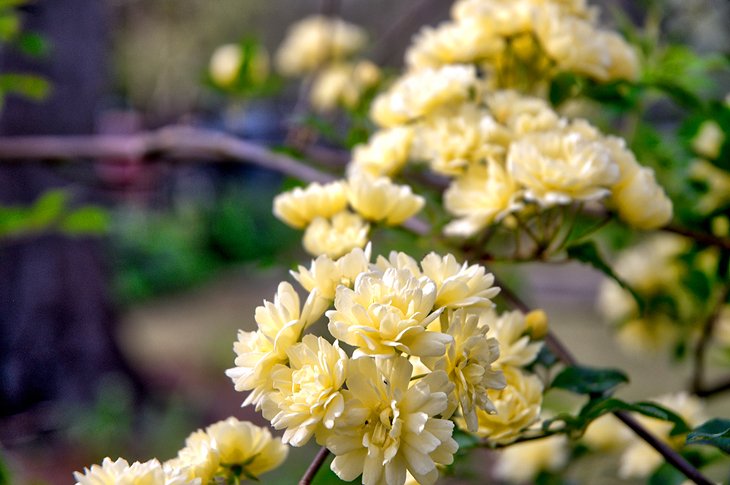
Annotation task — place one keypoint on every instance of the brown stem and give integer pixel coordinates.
(314, 467)
(712, 389)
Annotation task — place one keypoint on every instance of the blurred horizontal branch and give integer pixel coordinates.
(182, 143)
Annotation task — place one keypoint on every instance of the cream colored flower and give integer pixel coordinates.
(459, 285)
(517, 405)
(342, 85)
(385, 153)
(649, 335)
(308, 391)
(389, 427)
(640, 459)
(451, 140)
(386, 313)
(198, 459)
(512, 332)
(379, 199)
(400, 261)
(607, 433)
(315, 40)
(121, 472)
(508, 107)
(501, 17)
(468, 363)
(624, 60)
(522, 462)
(463, 42)
(225, 63)
(641, 201)
(482, 196)
(326, 274)
(708, 140)
(244, 444)
(336, 236)
(560, 168)
(419, 93)
(281, 324)
(717, 182)
(299, 207)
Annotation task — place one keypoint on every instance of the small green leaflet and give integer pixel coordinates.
(588, 380)
(715, 432)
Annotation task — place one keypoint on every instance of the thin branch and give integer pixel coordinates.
(314, 466)
(700, 237)
(712, 389)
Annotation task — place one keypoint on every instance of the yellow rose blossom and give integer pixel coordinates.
(465, 41)
(400, 261)
(502, 17)
(326, 274)
(639, 460)
(225, 63)
(468, 364)
(558, 168)
(315, 40)
(379, 199)
(523, 462)
(708, 140)
(244, 444)
(198, 459)
(419, 93)
(624, 59)
(280, 325)
(649, 335)
(342, 85)
(641, 202)
(512, 332)
(453, 139)
(386, 313)
(607, 434)
(518, 406)
(459, 285)
(482, 196)
(507, 106)
(385, 153)
(336, 236)
(299, 207)
(390, 427)
(121, 472)
(307, 391)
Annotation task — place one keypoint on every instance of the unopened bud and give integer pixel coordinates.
(537, 324)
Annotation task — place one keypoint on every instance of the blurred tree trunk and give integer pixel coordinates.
(56, 318)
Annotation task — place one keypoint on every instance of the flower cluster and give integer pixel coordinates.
(225, 451)
(412, 348)
(335, 214)
(525, 41)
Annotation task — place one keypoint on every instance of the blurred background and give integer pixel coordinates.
(123, 284)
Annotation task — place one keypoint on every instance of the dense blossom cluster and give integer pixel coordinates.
(227, 451)
(411, 349)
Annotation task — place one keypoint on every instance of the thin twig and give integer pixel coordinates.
(314, 466)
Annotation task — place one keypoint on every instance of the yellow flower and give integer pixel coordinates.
(459, 285)
(468, 364)
(518, 406)
(299, 207)
(647, 335)
(336, 236)
(419, 93)
(245, 444)
(121, 472)
(198, 459)
(386, 313)
(510, 108)
(512, 332)
(480, 197)
(342, 84)
(502, 17)
(389, 427)
(522, 462)
(624, 60)
(462, 42)
(325, 274)
(308, 390)
(225, 63)
(379, 199)
(607, 434)
(640, 459)
(315, 40)
(641, 202)
(385, 153)
(451, 140)
(558, 168)
(281, 324)
(708, 140)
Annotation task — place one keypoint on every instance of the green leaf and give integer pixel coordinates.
(715, 432)
(5, 4)
(86, 220)
(47, 209)
(33, 44)
(587, 252)
(9, 26)
(657, 411)
(27, 85)
(588, 380)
